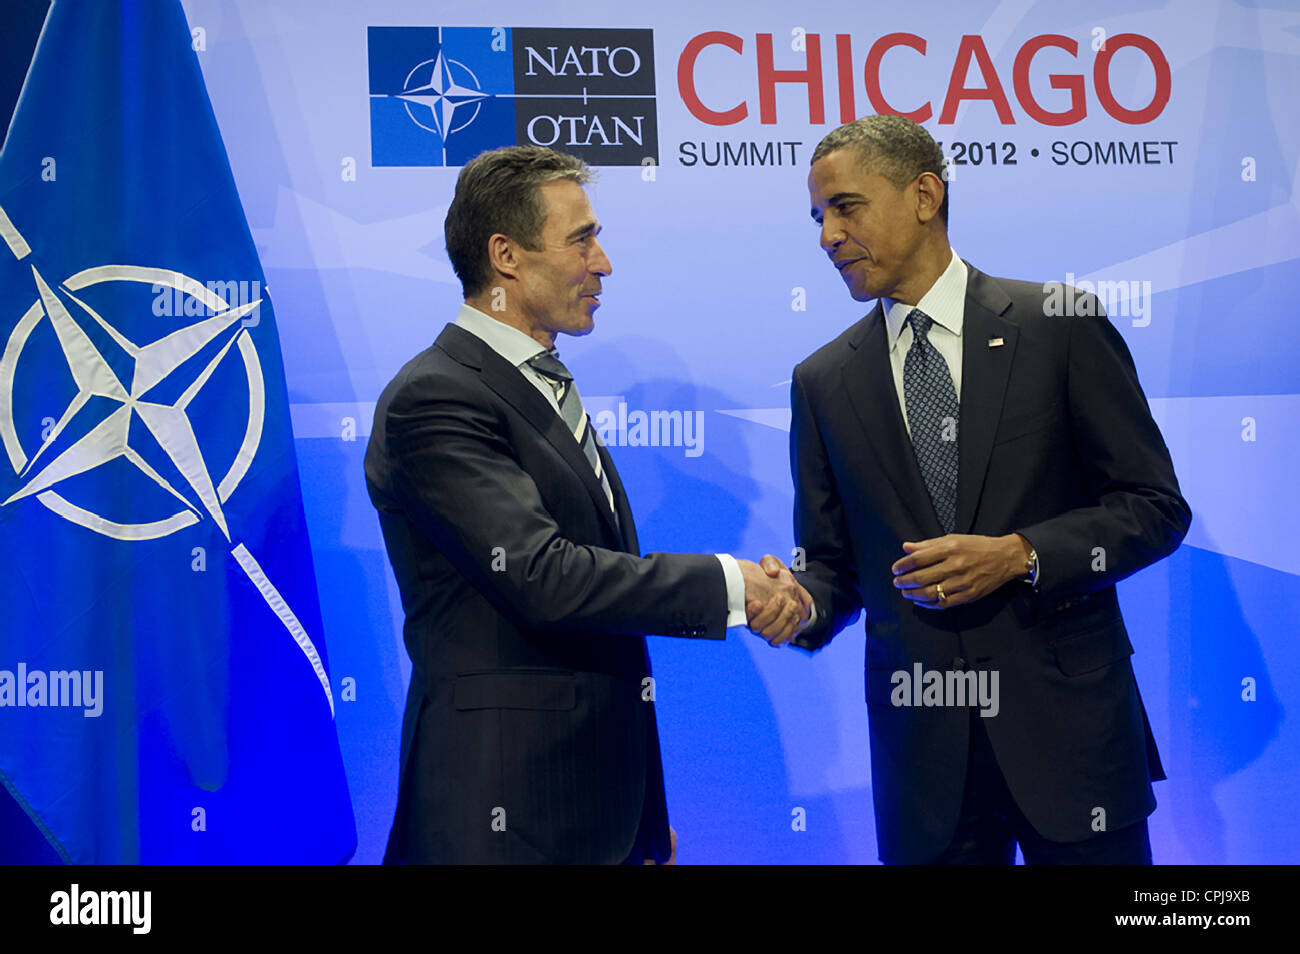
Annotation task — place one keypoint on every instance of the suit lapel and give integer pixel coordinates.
(984, 374)
(621, 505)
(507, 381)
(869, 384)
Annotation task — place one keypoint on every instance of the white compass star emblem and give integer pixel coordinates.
(442, 95)
(168, 423)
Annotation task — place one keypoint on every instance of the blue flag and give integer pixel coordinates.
(164, 687)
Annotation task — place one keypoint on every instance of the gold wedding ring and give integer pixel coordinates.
(939, 587)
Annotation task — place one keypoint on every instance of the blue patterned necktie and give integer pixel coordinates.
(549, 366)
(932, 415)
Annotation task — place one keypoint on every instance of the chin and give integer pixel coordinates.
(861, 293)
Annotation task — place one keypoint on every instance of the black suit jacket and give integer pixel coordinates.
(529, 733)
(1056, 442)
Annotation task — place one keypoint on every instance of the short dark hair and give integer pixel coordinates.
(892, 147)
(497, 191)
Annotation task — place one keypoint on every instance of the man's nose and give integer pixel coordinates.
(600, 264)
(831, 235)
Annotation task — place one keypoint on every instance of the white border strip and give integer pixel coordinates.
(281, 609)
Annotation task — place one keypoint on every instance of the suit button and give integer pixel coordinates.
(959, 663)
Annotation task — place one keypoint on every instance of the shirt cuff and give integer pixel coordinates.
(735, 590)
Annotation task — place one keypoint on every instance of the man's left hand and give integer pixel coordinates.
(964, 567)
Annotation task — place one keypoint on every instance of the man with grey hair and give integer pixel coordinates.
(529, 734)
(977, 476)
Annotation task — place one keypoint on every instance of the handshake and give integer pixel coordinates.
(776, 606)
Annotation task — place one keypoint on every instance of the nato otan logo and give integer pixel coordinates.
(441, 95)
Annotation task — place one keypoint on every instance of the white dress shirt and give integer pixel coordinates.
(512, 344)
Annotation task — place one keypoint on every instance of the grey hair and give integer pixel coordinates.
(498, 191)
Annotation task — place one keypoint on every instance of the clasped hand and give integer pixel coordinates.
(963, 567)
(776, 606)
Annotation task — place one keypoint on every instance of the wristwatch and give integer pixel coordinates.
(1031, 568)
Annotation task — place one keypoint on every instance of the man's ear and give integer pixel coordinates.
(503, 255)
(930, 191)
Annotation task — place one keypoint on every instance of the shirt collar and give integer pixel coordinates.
(945, 302)
(511, 343)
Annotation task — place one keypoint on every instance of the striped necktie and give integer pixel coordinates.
(548, 365)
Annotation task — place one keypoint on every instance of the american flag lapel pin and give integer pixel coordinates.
(996, 342)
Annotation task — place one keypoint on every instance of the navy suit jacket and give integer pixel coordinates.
(1056, 442)
(529, 734)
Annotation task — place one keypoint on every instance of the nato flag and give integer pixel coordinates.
(164, 686)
